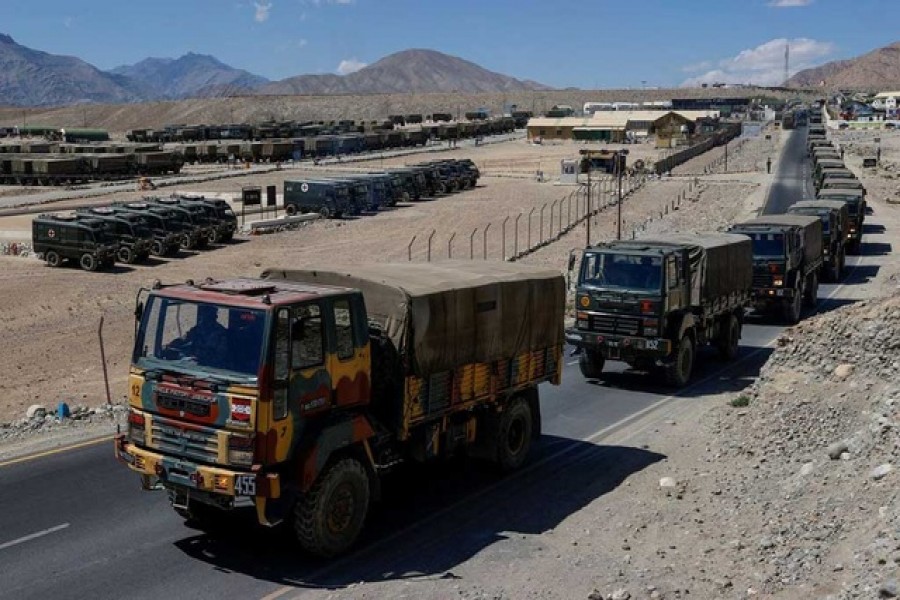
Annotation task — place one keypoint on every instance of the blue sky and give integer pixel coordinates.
(586, 43)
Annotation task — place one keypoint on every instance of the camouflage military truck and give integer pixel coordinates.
(835, 228)
(856, 209)
(293, 393)
(787, 258)
(84, 241)
(654, 303)
(130, 231)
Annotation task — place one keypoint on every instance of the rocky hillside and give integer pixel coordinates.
(34, 78)
(413, 71)
(877, 69)
(190, 76)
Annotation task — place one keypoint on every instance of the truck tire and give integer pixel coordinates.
(812, 290)
(157, 248)
(679, 372)
(514, 434)
(290, 209)
(405, 197)
(88, 262)
(325, 212)
(329, 517)
(53, 259)
(730, 338)
(185, 242)
(591, 364)
(792, 308)
(213, 237)
(126, 255)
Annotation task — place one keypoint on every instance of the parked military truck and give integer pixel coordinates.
(190, 236)
(297, 390)
(856, 210)
(215, 228)
(653, 303)
(330, 198)
(787, 258)
(220, 213)
(835, 229)
(129, 230)
(167, 236)
(84, 241)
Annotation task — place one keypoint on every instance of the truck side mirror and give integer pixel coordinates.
(138, 310)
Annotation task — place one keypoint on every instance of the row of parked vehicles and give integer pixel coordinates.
(337, 194)
(654, 302)
(97, 237)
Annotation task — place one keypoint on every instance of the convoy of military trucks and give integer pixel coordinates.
(297, 390)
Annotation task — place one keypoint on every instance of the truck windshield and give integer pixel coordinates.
(622, 271)
(768, 244)
(184, 335)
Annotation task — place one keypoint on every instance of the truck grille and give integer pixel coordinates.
(194, 406)
(200, 444)
(616, 324)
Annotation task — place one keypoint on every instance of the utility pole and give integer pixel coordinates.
(587, 210)
(619, 195)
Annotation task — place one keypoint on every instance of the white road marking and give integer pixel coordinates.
(31, 536)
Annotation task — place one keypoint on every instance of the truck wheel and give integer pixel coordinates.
(591, 364)
(793, 307)
(157, 248)
(405, 197)
(213, 237)
(679, 373)
(514, 435)
(730, 338)
(325, 212)
(186, 242)
(329, 517)
(290, 209)
(125, 255)
(52, 258)
(88, 262)
(812, 291)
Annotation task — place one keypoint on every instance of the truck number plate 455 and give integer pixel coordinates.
(245, 485)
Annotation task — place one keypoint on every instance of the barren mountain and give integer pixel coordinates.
(414, 71)
(34, 78)
(877, 69)
(190, 76)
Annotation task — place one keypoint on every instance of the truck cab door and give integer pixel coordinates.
(348, 350)
(675, 290)
(309, 381)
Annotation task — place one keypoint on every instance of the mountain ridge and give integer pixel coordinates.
(876, 69)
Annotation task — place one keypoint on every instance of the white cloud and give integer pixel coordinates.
(764, 65)
(789, 3)
(350, 65)
(262, 11)
(67, 22)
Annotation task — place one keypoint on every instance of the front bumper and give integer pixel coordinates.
(772, 293)
(173, 472)
(620, 347)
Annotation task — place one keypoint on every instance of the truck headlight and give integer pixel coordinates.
(778, 281)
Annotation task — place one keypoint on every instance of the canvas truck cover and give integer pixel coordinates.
(811, 226)
(824, 204)
(444, 315)
(721, 263)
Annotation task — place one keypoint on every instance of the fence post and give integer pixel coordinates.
(542, 223)
(409, 248)
(484, 242)
(450, 245)
(503, 238)
(430, 237)
(569, 210)
(472, 244)
(516, 237)
(552, 208)
(529, 228)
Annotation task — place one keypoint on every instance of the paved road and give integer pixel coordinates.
(75, 524)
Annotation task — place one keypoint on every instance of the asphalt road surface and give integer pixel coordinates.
(75, 524)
